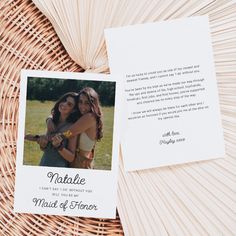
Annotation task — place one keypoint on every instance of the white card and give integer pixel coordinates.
(62, 190)
(171, 102)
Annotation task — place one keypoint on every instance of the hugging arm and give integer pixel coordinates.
(68, 153)
(81, 125)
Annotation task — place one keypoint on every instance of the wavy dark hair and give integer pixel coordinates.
(73, 117)
(95, 106)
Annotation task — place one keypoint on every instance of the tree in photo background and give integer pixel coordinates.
(48, 89)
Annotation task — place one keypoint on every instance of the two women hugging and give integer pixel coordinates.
(72, 131)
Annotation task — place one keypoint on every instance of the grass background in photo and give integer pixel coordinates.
(36, 114)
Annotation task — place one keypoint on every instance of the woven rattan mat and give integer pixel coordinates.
(28, 40)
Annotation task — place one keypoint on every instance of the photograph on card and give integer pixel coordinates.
(69, 123)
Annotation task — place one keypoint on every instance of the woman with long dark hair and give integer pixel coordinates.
(88, 128)
(64, 114)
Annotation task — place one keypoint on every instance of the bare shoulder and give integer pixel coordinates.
(90, 117)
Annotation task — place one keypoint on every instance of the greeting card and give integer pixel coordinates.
(67, 149)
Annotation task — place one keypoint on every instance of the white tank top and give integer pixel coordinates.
(86, 143)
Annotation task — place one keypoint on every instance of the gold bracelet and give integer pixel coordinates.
(67, 134)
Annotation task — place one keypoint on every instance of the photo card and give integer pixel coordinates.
(68, 144)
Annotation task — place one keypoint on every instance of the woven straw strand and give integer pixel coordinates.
(28, 40)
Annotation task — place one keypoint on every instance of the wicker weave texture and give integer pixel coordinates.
(190, 199)
(28, 41)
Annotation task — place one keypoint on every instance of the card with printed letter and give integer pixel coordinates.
(171, 107)
(68, 144)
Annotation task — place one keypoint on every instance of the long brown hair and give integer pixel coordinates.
(94, 103)
(73, 117)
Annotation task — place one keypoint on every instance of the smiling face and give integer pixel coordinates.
(67, 105)
(83, 104)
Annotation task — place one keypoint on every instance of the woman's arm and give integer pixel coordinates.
(68, 153)
(44, 139)
(50, 125)
(81, 125)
